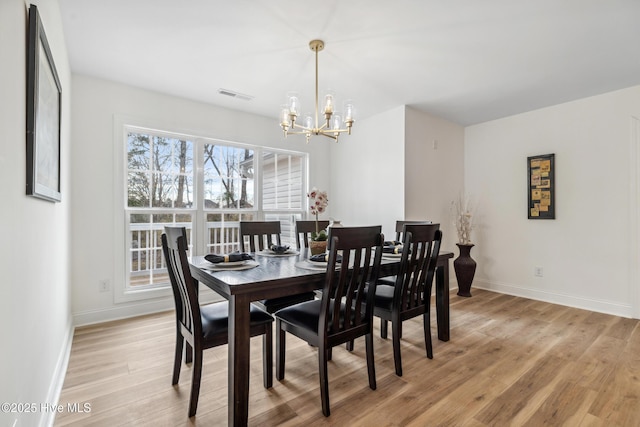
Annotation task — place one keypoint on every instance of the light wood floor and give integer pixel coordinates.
(510, 361)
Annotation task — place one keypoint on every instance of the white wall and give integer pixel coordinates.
(584, 252)
(434, 174)
(34, 255)
(97, 239)
(367, 172)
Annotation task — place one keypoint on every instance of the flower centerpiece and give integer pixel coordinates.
(318, 202)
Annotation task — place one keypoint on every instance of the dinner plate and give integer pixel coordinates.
(230, 263)
(287, 252)
(388, 255)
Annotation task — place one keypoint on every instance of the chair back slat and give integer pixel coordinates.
(260, 234)
(345, 313)
(304, 230)
(400, 228)
(174, 246)
(417, 266)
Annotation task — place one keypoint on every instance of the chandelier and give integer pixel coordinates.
(333, 124)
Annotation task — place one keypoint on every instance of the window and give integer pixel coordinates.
(207, 186)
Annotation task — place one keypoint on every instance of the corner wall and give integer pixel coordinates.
(434, 172)
(367, 172)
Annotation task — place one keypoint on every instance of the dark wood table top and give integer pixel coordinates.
(275, 276)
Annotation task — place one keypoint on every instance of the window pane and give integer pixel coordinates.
(228, 177)
(138, 151)
(287, 226)
(282, 181)
(160, 171)
(147, 266)
(223, 231)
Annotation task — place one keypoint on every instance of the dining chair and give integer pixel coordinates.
(400, 227)
(203, 327)
(304, 229)
(343, 313)
(410, 296)
(262, 234)
(391, 280)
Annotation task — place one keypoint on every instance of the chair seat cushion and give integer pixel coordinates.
(384, 296)
(305, 314)
(274, 304)
(215, 318)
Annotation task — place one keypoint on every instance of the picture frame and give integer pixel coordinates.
(541, 187)
(44, 111)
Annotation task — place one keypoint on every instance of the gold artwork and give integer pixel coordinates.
(541, 187)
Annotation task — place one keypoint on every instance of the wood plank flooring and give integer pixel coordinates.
(510, 361)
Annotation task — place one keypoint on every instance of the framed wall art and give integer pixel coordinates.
(541, 177)
(43, 115)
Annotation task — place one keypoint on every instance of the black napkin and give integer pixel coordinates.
(279, 249)
(323, 258)
(392, 243)
(236, 256)
(392, 249)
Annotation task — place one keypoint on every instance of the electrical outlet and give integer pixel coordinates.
(103, 285)
(537, 271)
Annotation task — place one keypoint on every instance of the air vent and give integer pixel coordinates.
(233, 94)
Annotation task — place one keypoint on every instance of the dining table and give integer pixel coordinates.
(270, 276)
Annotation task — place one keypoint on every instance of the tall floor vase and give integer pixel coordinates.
(465, 268)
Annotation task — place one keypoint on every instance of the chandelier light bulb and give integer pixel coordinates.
(336, 121)
(349, 111)
(294, 104)
(328, 103)
(284, 116)
(308, 121)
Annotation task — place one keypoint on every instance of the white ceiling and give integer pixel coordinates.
(467, 61)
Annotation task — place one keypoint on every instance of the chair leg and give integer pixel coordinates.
(323, 355)
(396, 326)
(177, 359)
(371, 367)
(195, 381)
(427, 334)
(267, 357)
(383, 328)
(349, 345)
(280, 350)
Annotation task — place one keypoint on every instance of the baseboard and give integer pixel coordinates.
(55, 387)
(600, 306)
(133, 309)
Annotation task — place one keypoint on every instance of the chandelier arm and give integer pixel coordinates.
(302, 132)
(328, 136)
(297, 126)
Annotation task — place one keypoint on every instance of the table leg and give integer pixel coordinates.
(442, 300)
(238, 360)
